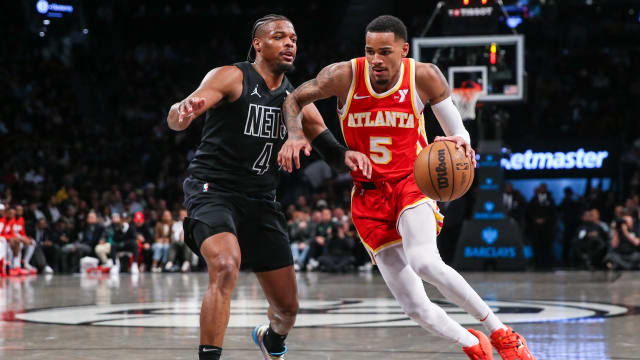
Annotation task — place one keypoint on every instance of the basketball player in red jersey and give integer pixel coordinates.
(381, 98)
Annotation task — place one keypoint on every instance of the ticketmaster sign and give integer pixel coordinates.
(572, 160)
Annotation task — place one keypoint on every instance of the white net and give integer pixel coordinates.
(465, 100)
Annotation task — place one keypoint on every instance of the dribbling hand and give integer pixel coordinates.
(188, 108)
(291, 149)
(460, 142)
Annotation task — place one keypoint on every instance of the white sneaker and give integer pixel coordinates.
(109, 263)
(48, 270)
(29, 267)
(168, 265)
(368, 267)
(185, 266)
(312, 265)
(115, 269)
(155, 269)
(296, 267)
(134, 268)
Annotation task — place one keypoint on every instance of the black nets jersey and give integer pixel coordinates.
(241, 140)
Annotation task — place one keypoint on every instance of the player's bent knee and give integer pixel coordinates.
(430, 270)
(223, 270)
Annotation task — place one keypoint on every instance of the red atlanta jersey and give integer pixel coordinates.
(7, 231)
(388, 127)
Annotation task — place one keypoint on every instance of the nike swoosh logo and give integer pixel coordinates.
(356, 97)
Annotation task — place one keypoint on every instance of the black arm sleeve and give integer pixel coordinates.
(331, 150)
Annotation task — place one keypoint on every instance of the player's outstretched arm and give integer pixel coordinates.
(432, 85)
(220, 83)
(330, 82)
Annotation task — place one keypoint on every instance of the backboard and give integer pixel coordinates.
(496, 62)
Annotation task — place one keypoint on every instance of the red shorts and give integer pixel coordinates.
(375, 212)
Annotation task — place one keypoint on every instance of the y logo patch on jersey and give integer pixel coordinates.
(205, 187)
(255, 92)
(402, 95)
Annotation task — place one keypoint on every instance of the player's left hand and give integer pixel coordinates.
(460, 142)
(356, 160)
(291, 149)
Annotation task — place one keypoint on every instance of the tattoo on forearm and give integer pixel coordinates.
(305, 94)
(445, 90)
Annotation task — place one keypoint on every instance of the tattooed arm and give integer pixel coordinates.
(302, 118)
(433, 88)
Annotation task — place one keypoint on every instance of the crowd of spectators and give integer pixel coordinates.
(87, 153)
(593, 231)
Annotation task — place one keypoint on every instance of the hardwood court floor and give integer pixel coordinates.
(563, 315)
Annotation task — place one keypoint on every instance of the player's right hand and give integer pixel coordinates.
(188, 107)
(291, 150)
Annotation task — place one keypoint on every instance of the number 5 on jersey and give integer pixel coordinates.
(379, 153)
(262, 163)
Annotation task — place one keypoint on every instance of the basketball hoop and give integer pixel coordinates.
(465, 99)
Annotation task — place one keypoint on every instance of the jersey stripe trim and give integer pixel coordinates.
(372, 92)
(418, 114)
(414, 94)
(342, 113)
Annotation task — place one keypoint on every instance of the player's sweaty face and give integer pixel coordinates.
(384, 53)
(280, 42)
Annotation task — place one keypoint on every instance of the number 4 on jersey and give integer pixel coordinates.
(262, 163)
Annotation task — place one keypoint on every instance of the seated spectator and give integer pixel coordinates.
(301, 233)
(60, 238)
(47, 254)
(144, 239)
(323, 231)
(162, 239)
(178, 246)
(87, 240)
(123, 242)
(590, 243)
(338, 256)
(14, 234)
(625, 246)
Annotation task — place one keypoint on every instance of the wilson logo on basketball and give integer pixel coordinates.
(462, 166)
(443, 180)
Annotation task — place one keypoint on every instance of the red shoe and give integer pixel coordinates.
(511, 345)
(14, 272)
(22, 271)
(480, 351)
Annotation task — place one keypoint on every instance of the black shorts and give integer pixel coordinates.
(256, 220)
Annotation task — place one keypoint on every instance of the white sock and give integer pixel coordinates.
(17, 259)
(492, 323)
(28, 254)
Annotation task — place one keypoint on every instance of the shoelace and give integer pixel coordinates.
(509, 345)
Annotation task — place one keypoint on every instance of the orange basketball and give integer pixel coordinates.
(443, 172)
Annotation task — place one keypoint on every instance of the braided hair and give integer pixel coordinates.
(257, 25)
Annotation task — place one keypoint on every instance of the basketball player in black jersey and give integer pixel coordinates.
(233, 216)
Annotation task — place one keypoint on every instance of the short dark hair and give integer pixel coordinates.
(388, 23)
(260, 23)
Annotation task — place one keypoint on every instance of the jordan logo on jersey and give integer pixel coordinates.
(381, 118)
(255, 92)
